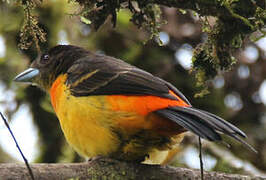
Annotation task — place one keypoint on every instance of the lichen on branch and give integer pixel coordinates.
(144, 14)
(240, 19)
(235, 21)
(30, 30)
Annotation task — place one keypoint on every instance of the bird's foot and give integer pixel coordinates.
(95, 158)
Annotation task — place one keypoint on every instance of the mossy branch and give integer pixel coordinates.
(110, 170)
(30, 31)
(235, 21)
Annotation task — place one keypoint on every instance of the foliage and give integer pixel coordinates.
(236, 20)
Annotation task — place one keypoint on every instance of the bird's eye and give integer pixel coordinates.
(45, 58)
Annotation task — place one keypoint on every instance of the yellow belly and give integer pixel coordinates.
(84, 122)
(87, 132)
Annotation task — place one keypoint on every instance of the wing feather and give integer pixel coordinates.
(105, 75)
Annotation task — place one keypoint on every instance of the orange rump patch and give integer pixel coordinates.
(143, 105)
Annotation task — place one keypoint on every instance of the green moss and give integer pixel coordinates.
(30, 31)
(216, 54)
(102, 169)
(236, 19)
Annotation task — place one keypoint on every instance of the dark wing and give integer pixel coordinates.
(104, 75)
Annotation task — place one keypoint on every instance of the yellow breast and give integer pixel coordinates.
(84, 121)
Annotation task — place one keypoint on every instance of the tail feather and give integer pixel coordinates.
(229, 125)
(202, 123)
(212, 121)
(188, 122)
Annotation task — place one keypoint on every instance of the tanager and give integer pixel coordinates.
(107, 107)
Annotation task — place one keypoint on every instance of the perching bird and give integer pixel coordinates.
(109, 108)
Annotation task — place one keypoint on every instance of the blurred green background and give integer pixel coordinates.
(238, 96)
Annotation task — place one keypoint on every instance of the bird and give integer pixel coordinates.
(109, 108)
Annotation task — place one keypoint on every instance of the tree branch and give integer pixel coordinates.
(235, 21)
(103, 168)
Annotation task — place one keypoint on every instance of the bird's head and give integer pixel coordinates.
(56, 61)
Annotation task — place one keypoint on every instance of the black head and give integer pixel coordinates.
(56, 61)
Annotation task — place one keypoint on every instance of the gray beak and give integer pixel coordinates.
(27, 75)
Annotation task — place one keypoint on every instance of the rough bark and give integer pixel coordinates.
(102, 168)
